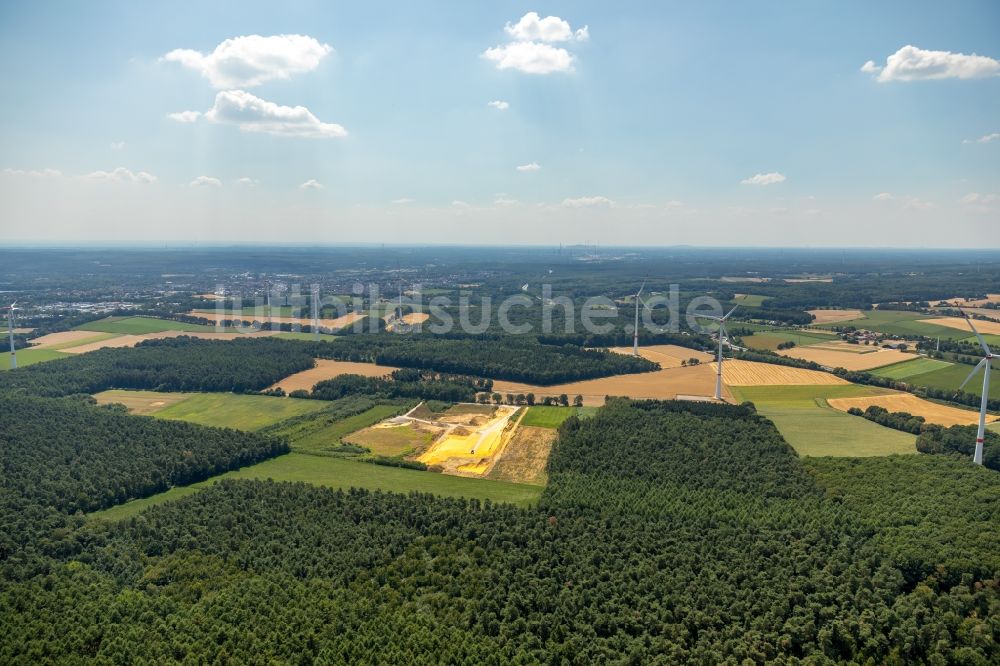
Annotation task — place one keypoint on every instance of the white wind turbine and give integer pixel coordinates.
(10, 333)
(985, 364)
(635, 332)
(722, 336)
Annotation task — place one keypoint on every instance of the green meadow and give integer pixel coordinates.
(30, 356)
(548, 416)
(346, 474)
(899, 322)
(140, 326)
(908, 369)
(813, 428)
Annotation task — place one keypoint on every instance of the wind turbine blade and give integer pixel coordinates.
(973, 373)
(982, 343)
(730, 312)
(640, 289)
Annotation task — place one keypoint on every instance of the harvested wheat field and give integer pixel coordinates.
(986, 327)
(666, 384)
(848, 360)
(524, 458)
(411, 319)
(975, 302)
(932, 412)
(140, 402)
(668, 356)
(63, 339)
(218, 317)
(326, 369)
(751, 373)
(119, 341)
(832, 316)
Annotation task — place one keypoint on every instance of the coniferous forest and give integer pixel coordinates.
(669, 533)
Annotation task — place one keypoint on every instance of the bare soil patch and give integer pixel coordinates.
(525, 457)
(326, 369)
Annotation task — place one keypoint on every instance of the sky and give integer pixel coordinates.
(800, 123)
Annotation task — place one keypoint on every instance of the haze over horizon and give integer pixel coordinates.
(713, 124)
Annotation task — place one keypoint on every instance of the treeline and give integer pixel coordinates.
(621, 338)
(897, 420)
(170, 364)
(669, 533)
(403, 383)
(514, 358)
(960, 440)
(66, 455)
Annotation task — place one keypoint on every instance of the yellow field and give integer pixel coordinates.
(985, 327)
(411, 319)
(63, 339)
(831, 316)
(472, 449)
(960, 300)
(140, 402)
(326, 369)
(339, 322)
(668, 356)
(904, 402)
(129, 340)
(751, 373)
(666, 384)
(849, 360)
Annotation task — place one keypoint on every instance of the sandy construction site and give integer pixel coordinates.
(932, 412)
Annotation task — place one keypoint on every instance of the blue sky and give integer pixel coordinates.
(704, 123)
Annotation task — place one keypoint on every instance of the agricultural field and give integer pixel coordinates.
(952, 376)
(345, 474)
(64, 339)
(769, 340)
(140, 326)
(320, 431)
(393, 439)
(813, 428)
(833, 316)
(26, 357)
(749, 300)
(696, 381)
(127, 340)
(222, 410)
(751, 373)
(962, 326)
(906, 369)
(899, 322)
(549, 416)
(143, 403)
(327, 369)
(932, 412)
(332, 324)
(847, 357)
(668, 356)
(309, 337)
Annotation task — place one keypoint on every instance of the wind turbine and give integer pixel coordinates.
(635, 333)
(722, 335)
(10, 333)
(977, 457)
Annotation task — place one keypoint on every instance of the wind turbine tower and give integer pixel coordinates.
(635, 331)
(315, 311)
(10, 334)
(985, 364)
(722, 336)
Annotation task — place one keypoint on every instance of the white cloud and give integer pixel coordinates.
(460, 204)
(499, 105)
(402, 202)
(588, 202)
(185, 116)
(504, 202)
(531, 166)
(206, 181)
(764, 179)
(883, 196)
(246, 181)
(121, 175)
(117, 145)
(33, 173)
(914, 64)
(980, 203)
(312, 184)
(250, 60)
(531, 27)
(530, 57)
(253, 114)
(984, 139)
(917, 204)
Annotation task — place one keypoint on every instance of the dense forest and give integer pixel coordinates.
(669, 533)
(403, 383)
(960, 440)
(66, 455)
